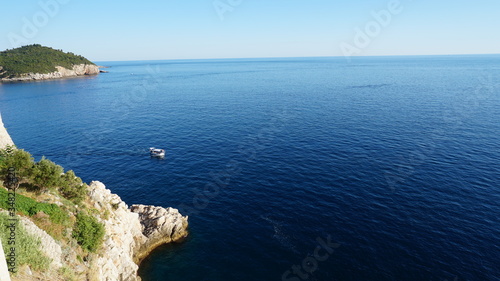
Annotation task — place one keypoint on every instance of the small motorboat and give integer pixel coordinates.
(156, 152)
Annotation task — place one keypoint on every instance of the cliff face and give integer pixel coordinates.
(130, 235)
(4, 136)
(77, 70)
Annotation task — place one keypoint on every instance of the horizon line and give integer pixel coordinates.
(285, 57)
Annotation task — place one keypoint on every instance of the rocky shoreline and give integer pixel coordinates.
(61, 72)
(130, 235)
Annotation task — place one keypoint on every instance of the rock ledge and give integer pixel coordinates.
(131, 234)
(77, 70)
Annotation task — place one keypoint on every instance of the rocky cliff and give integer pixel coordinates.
(130, 235)
(77, 70)
(4, 136)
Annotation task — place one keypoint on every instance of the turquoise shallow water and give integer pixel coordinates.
(395, 160)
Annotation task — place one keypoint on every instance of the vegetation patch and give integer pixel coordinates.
(30, 207)
(27, 247)
(72, 187)
(72, 221)
(36, 59)
(46, 174)
(42, 175)
(18, 158)
(88, 232)
(67, 273)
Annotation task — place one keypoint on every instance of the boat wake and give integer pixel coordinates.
(280, 234)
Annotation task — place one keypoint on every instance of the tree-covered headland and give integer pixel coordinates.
(36, 59)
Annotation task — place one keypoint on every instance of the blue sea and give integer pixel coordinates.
(374, 168)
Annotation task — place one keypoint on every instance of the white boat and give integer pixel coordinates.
(156, 152)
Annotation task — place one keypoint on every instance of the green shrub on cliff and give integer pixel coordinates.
(18, 158)
(72, 187)
(47, 174)
(36, 59)
(41, 175)
(88, 232)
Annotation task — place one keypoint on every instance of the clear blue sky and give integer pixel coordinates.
(184, 29)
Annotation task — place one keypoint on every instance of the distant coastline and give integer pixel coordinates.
(36, 62)
(77, 70)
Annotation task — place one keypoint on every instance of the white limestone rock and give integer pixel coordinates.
(5, 139)
(61, 72)
(131, 233)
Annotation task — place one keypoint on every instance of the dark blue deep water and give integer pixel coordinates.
(381, 168)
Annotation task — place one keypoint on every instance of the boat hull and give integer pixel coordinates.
(155, 152)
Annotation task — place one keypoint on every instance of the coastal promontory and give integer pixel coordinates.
(37, 62)
(65, 229)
